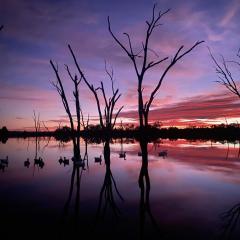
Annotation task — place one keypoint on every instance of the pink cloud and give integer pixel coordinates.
(194, 110)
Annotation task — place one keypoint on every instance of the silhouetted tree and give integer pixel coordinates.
(108, 115)
(59, 86)
(1, 27)
(145, 65)
(225, 74)
(37, 123)
(4, 130)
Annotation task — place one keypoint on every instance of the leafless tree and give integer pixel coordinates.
(85, 124)
(37, 123)
(58, 85)
(225, 74)
(145, 65)
(107, 118)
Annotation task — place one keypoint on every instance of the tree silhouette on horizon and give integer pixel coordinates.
(146, 65)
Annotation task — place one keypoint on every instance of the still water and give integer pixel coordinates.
(190, 191)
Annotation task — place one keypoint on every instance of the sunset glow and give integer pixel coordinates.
(37, 31)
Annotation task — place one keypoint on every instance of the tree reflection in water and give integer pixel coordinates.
(79, 164)
(145, 186)
(231, 220)
(106, 197)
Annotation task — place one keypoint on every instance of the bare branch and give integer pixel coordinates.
(116, 116)
(69, 73)
(175, 59)
(61, 92)
(45, 126)
(225, 75)
(130, 54)
(94, 91)
(152, 64)
(110, 74)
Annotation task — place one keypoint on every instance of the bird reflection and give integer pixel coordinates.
(122, 153)
(3, 163)
(145, 186)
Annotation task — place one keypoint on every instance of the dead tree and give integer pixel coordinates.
(107, 118)
(85, 124)
(58, 85)
(37, 123)
(145, 65)
(225, 74)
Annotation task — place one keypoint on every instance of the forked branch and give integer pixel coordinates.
(225, 75)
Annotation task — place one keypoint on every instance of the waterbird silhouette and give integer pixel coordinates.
(122, 155)
(27, 163)
(60, 160)
(163, 153)
(98, 159)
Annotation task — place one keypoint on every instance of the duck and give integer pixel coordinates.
(41, 163)
(122, 155)
(4, 161)
(36, 161)
(27, 163)
(60, 160)
(98, 159)
(65, 161)
(163, 153)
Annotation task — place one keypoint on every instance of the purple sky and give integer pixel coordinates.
(37, 31)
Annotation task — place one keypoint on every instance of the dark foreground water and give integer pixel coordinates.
(193, 192)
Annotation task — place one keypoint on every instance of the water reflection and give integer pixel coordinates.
(106, 197)
(145, 187)
(177, 195)
(122, 153)
(3, 163)
(79, 165)
(231, 221)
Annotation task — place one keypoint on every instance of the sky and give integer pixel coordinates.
(37, 31)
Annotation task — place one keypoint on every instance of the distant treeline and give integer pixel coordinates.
(218, 132)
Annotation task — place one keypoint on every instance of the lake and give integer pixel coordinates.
(190, 191)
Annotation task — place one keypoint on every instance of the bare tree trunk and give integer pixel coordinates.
(76, 96)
